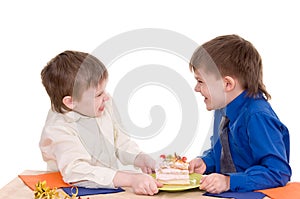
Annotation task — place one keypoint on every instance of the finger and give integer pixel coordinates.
(152, 165)
(149, 170)
(158, 184)
(209, 187)
(211, 190)
(204, 182)
(199, 170)
(145, 170)
(191, 167)
(140, 191)
(148, 190)
(153, 188)
(203, 187)
(203, 178)
(214, 190)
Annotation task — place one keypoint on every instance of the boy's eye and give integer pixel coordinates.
(98, 95)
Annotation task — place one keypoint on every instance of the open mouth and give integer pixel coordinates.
(101, 108)
(205, 99)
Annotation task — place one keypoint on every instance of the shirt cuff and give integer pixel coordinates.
(238, 181)
(209, 164)
(98, 178)
(104, 177)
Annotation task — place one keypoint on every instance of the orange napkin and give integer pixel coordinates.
(290, 191)
(53, 179)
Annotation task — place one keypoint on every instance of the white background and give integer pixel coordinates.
(32, 32)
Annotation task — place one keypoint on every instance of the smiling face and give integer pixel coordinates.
(211, 88)
(92, 102)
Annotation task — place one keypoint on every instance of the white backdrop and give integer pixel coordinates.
(32, 32)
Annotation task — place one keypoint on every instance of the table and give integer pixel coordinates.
(17, 189)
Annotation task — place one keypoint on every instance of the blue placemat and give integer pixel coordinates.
(88, 191)
(238, 195)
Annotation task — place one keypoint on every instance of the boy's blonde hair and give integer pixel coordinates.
(70, 73)
(231, 55)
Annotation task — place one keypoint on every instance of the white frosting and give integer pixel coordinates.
(173, 176)
(173, 171)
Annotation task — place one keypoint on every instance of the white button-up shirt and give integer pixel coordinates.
(86, 150)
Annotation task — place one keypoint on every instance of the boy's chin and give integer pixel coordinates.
(209, 107)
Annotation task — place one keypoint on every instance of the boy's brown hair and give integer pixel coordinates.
(70, 73)
(233, 56)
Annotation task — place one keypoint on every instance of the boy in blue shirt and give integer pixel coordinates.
(229, 75)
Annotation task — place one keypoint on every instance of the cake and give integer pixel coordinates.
(173, 169)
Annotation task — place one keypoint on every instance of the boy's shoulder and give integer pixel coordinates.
(260, 106)
(58, 124)
(55, 118)
(248, 105)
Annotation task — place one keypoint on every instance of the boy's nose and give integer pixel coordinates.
(197, 88)
(106, 97)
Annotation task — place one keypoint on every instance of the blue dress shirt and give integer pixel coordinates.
(259, 145)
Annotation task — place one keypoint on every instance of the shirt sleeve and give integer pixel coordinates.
(269, 144)
(209, 159)
(62, 149)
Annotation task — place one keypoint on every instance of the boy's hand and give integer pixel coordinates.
(197, 165)
(141, 183)
(144, 184)
(145, 162)
(215, 183)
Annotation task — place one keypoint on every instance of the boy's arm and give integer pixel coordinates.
(126, 149)
(269, 142)
(209, 160)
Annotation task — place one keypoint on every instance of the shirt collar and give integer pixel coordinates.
(73, 116)
(235, 106)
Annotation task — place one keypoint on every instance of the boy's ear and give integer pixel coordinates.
(229, 83)
(68, 102)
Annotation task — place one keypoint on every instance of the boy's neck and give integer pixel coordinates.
(233, 94)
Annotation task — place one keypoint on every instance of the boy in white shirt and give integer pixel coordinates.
(82, 137)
